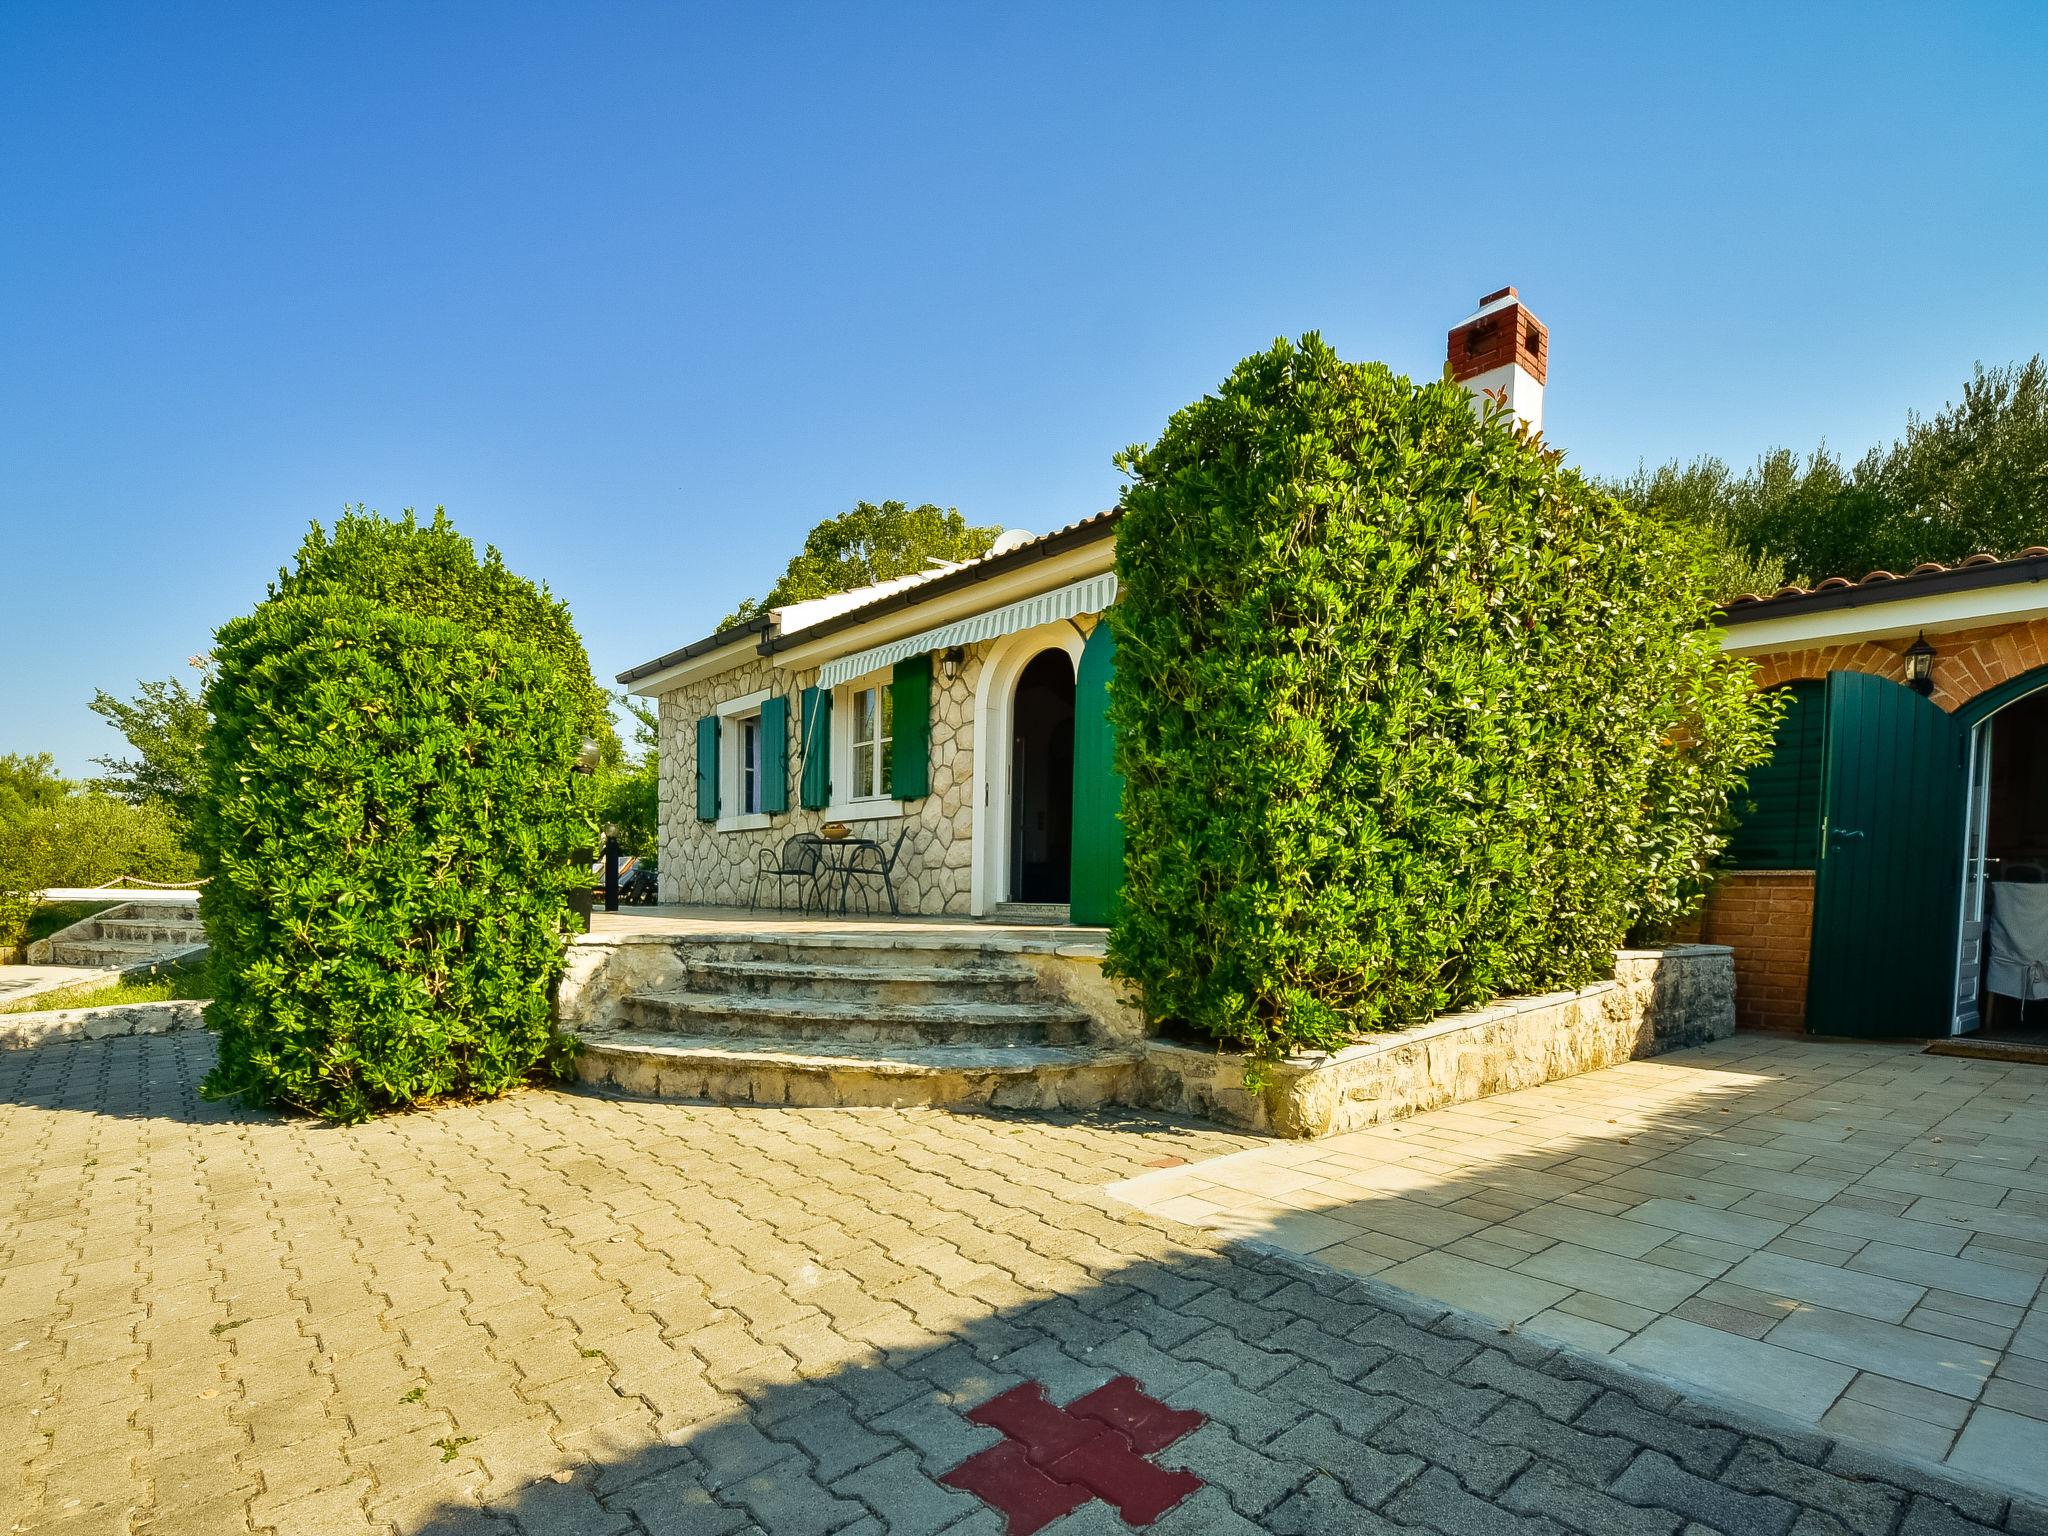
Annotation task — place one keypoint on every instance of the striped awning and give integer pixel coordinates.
(1090, 596)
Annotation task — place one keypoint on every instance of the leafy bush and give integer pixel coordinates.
(1409, 715)
(389, 815)
(432, 570)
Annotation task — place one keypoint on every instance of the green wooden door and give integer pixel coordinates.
(1098, 862)
(1886, 894)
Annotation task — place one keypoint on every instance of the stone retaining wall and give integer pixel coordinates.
(21, 1030)
(1658, 1001)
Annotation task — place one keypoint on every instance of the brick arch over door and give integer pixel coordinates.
(1966, 663)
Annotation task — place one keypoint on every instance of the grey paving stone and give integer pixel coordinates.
(1698, 1448)
(901, 1490)
(1437, 1499)
(1404, 1378)
(1655, 1479)
(1340, 1356)
(1518, 1423)
(1254, 1481)
(1439, 1354)
(1323, 1508)
(1931, 1517)
(1860, 1505)
(834, 1440)
(1544, 1490)
(1353, 1410)
(674, 1503)
(1483, 1466)
(1560, 1397)
(937, 1432)
(1205, 1512)
(1367, 1475)
(1248, 1365)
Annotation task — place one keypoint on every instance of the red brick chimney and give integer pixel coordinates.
(1502, 348)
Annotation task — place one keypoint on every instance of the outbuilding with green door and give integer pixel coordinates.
(1889, 873)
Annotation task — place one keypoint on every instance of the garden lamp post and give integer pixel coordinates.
(587, 758)
(611, 867)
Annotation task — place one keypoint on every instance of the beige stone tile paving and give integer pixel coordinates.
(1851, 1233)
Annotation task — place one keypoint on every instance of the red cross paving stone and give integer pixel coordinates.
(1053, 1460)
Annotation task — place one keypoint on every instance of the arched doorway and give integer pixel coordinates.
(1042, 780)
(1999, 993)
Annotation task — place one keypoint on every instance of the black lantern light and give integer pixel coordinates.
(1920, 666)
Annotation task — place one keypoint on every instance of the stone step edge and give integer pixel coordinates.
(1087, 944)
(809, 970)
(833, 1010)
(913, 1061)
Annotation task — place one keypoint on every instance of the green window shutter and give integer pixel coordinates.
(775, 755)
(815, 750)
(1778, 806)
(911, 746)
(707, 768)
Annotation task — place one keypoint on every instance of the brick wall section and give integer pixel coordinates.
(1511, 335)
(1766, 916)
(1966, 663)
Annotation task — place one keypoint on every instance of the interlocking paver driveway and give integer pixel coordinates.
(562, 1313)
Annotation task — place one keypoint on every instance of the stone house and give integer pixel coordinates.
(1907, 789)
(958, 713)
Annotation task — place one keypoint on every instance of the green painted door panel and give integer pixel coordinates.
(1887, 890)
(1098, 862)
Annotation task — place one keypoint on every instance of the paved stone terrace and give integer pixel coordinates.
(1853, 1234)
(560, 1313)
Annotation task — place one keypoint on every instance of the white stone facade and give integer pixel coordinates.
(704, 864)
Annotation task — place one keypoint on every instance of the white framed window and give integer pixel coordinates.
(750, 765)
(739, 764)
(863, 741)
(874, 719)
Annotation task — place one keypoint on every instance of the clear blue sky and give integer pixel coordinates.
(642, 292)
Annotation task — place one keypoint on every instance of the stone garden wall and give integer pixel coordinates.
(702, 865)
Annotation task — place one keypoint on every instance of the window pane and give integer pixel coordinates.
(888, 783)
(888, 695)
(750, 762)
(864, 716)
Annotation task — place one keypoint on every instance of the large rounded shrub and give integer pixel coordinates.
(386, 828)
(1409, 714)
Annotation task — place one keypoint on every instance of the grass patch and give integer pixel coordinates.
(52, 915)
(194, 981)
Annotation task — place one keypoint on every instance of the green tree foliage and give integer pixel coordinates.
(1409, 714)
(389, 816)
(433, 571)
(871, 543)
(1972, 480)
(165, 724)
(629, 792)
(28, 782)
(78, 836)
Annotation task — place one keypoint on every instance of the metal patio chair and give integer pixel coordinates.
(870, 862)
(798, 859)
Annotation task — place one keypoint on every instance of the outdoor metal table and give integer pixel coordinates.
(836, 860)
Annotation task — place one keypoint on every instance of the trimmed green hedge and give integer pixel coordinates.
(1409, 715)
(389, 814)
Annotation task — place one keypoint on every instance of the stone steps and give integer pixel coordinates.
(791, 1017)
(110, 952)
(163, 934)
(894, 979)
(827, 1074)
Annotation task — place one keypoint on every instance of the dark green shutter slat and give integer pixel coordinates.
(1778, 807)
(815, 750)
(707, 768)
(911, 751)
(775, 755)
(1098, 863)
(1887, 894)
